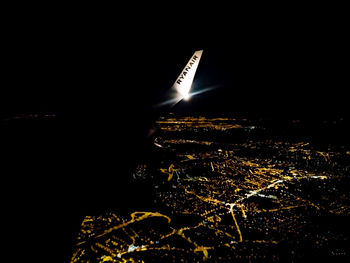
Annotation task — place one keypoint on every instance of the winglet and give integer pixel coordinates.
(184, 82)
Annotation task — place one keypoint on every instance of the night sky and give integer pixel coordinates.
(273, 64)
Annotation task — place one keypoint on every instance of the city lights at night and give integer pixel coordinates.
(157, 133)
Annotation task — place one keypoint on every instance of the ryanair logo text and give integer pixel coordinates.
(186, 70)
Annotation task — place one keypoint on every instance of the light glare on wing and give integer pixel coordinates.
(184, 82)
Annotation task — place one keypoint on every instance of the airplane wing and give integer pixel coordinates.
(184, 82)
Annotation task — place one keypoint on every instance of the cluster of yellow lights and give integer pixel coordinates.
(210, 197)
(186, 123)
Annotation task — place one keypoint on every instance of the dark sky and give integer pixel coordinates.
(267, 63)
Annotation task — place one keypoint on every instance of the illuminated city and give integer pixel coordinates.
(224, 190)
(156, 132)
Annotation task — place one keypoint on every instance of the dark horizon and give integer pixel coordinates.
(274, 69)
